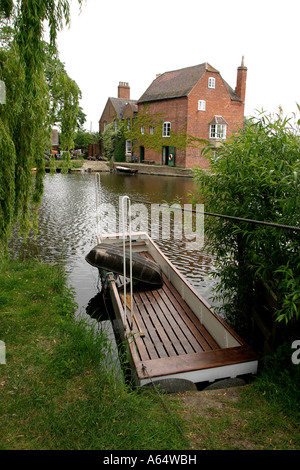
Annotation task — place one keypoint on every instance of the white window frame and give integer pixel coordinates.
(166, 129)
(142, 130)
(201, 105)
(217, 131)
(116, 125)
(151, 130)
(211, 82)
(128, 147)
(104, 125)
(128, 124)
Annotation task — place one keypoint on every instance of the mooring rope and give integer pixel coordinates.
(144, 368)
(229, 217)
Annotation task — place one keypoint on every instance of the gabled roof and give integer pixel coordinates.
(120, 104)
(133, 106)
(218, 120)
(179, 83)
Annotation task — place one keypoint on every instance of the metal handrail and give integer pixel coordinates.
(125, 199)
(98, 207)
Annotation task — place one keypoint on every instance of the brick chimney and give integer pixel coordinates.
(241, 79)
(124, 90)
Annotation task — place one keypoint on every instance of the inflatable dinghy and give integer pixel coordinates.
(108, 257)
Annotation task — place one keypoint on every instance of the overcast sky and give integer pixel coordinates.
(133, 40)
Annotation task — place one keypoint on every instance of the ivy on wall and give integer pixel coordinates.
(155, 140)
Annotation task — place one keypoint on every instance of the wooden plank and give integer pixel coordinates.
(164, 331)
(136, 345)
(222, 323)
(187, 337)
(149, 330)
(162, 342)
(205, 339)
(146, 340)
(118, 308)
(176, 336)
(197, 361)
(186, 314)
(128, 305)
(191, 322)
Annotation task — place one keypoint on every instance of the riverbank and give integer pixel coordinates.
(57, 394)
(143, 168)
(160, 170)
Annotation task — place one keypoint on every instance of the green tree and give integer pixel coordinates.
(82, 139)
(114, 141)
(67, 94)
(81, 118)
(64, 98)
(24, 119)
(6, 7)
(255, 175)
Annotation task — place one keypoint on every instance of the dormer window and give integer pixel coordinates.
(201, 105)
(211, 82)
(218, 128)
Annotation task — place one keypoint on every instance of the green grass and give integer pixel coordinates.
(57, 394)
(55, 390)
(246, 421)
(74, 163)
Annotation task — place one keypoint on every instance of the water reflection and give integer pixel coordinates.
(68, 227)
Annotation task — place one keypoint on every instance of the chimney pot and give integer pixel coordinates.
(124, 90)
(241, 79)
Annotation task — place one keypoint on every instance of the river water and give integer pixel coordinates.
(68, 227)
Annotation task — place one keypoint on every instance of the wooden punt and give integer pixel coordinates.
(126, 170)
(174, 333)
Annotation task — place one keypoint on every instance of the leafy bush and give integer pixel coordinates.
(255, 175)
(114, 141)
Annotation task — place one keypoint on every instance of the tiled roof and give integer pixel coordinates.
(120, 104)
(218, 120)
(133, 106)
(179, 83)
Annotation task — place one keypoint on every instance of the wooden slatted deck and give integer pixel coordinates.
(169, 326)
(174, 343)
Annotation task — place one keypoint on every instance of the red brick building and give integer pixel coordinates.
(118, 109)
(194, 101)
(198, 100)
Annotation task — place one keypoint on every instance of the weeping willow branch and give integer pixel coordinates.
(25, 119)
(7, 185)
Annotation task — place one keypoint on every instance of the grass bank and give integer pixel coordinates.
(56, 391)
(60, 164)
